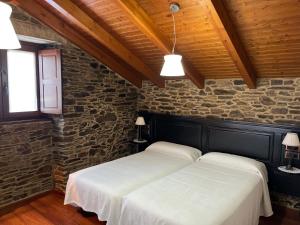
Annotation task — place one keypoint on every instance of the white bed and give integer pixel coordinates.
(100, 188)
(219, 189)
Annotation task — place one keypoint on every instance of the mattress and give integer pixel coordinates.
(100, 188)
(204, 193)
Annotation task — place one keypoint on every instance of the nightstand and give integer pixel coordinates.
(140, 144)
(284, 182)
(293, 171)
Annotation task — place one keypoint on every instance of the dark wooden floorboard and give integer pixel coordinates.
(49, 210)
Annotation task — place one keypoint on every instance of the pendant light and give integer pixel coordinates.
(173, 65)
(8, 37)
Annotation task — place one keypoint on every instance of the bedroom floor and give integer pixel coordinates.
(49, 210)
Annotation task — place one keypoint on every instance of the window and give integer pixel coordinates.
(22, 81)
(31, 82)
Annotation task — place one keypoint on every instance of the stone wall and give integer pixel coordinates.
(25, 160)
(273, 101)
(99, 109)
(99, 113)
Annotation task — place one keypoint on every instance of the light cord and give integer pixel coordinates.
(174, 33)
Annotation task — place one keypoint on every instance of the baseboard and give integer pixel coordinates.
(12, 206)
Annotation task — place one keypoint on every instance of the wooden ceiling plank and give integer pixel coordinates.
(57, 24)
(68, 8)
(219, 17)
(141, 19)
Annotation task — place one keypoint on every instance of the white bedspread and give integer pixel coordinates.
(100, 188)
(203, 193)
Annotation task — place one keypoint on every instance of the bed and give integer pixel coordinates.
(219, 189)
(100, 188)
(262, 142)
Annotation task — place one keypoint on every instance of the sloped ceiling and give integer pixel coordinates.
(217, 38)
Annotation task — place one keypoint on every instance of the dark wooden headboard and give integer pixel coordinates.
(258, 141)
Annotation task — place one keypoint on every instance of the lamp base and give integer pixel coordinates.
(293, 170)
(140, 141)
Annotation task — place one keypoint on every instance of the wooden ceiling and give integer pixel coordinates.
(246, 39)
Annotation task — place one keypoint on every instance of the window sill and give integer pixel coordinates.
(23, 121)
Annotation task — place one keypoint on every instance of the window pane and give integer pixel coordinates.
(22, 81)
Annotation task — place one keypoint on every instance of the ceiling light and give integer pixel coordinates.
(8, 37)
(173, 65)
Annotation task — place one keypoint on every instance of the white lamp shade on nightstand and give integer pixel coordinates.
(8, 37)
(140, 121)
(291, 140)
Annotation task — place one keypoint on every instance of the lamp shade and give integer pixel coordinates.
(172, 66)
(291, 139)
(8, 37)
(140, 121)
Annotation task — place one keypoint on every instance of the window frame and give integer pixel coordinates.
(1, 85)
(5, 115)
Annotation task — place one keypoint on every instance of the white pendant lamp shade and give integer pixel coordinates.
(291, 139)
(8, 37)
(172, 66)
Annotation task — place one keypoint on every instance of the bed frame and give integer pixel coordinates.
(258, 141)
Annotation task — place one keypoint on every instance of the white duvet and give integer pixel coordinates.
(204, 193)
(100, 188)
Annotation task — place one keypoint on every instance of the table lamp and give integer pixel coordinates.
(291, 142)
(140, 122)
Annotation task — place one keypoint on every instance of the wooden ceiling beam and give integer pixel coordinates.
(220, 19)
(93, 28)
(57, 24)
(141, 19)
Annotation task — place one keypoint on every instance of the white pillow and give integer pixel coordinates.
(235, 161)
(173, 149)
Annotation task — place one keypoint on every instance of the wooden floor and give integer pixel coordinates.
(49, 210)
